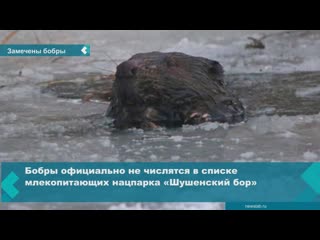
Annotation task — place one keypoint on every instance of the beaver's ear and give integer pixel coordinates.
(216, 72)
(126, 69)
(216, 68)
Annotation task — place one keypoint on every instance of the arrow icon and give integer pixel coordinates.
(312, 177)
(84, 50)
(8, 185)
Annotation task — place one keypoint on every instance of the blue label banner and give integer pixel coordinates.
(235, 183)
(44, 50)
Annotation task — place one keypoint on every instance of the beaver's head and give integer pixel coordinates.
(170, 89)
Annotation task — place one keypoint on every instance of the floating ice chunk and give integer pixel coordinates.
(136, 130)
(2, 154)
(94, 156)
(306, 92)
(236, 140)
(80, 145)
(209, 126)
(176, 138)
(247, 155)
(75, 101)
(240, 160)
(288, 134)
(3, 80)
(310, 156)
(28, 72)
(159, 147)
(226, 125)
(53, 146)
(265, 124)
(215, 140)
(187, 128)
(55, 128)
(7, 117)
(193, 47)
(143, 149)
(153, 157)
(267, 110)
(105, 142)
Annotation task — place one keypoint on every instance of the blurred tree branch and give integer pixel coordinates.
(10, 35)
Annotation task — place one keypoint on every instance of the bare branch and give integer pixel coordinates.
(9, 36)
(36, 36)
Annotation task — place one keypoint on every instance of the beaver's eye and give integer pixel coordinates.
(134, 71)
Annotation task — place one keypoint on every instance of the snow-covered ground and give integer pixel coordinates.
(40, 127)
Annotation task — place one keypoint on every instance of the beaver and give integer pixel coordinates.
(172, 89)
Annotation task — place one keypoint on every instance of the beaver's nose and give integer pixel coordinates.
(127, 69)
